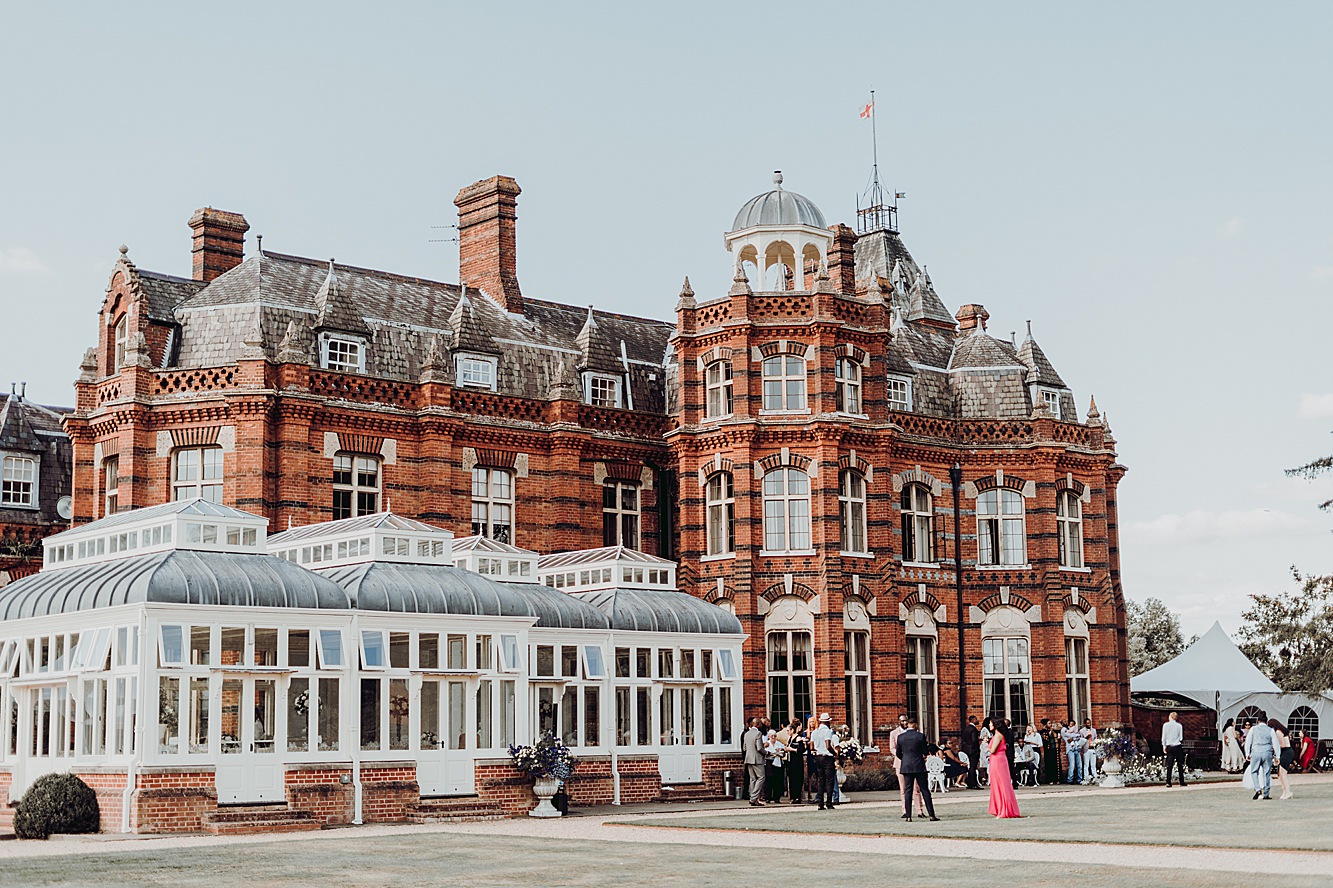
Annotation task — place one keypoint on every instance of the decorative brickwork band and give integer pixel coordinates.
(196, 437)
(851, 461)
(717, 464)
(917, 476)
(355, 443)
(495, 459)
(989, 482)
(847, 350)
(625, 471)
(785, 458)
(1004, 599)
(779, 590)
(783, 347)
(716, 353)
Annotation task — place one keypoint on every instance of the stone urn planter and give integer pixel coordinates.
(843, 798)
(1112, 769)
(545, 788)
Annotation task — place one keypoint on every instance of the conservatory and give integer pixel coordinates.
(179, 659)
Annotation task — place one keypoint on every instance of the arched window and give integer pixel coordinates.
(122, 341)
(784, 382)
(786, 511)
(847, 375)
(920, 670)
(1069, 517)
(721, 498)
(789, 641)
(356, 485)
(1007, 665)
(717, 381)
(918, 525)
(1076, 667)
(852, 511)
(1001, 537)
(1303, 718)
(1251, 713)
(493, 504)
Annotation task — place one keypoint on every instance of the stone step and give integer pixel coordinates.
(454, 810)
(256, 819)
(692, 792)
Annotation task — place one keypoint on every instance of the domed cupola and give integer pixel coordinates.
(779, 239)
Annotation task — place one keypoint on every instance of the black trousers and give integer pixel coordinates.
(973, 762)
(795, 777)
(1175, 755)
(912, 781)
(826, 780)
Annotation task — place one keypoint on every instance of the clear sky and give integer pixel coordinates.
(1147, 182)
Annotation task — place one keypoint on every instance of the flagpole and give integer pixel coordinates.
(874, 139)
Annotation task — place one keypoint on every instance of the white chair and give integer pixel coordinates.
(935, 781)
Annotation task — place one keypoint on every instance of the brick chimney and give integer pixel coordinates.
(219, 242)
(487, 222)
(971, 316)
(842, 259)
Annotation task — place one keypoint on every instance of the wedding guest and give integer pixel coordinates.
(1089, 751)
(972, 747)
(897, 763)
(1050, 752)
(983, 765)
(1284, 755)
(910, 750)
(752, 742)
(1173, 745)
(955, 770)
(1233, 760)
(1308, 752)
(775, 754)
(1032, 739)
(1003, 802)
(798, 744)
(1073, 752)
(811, 763)
(1260, 744)
(824, 742)
(1024, 762)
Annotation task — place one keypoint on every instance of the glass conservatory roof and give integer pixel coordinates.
(661, 610)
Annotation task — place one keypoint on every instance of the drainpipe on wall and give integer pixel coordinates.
(353, 692)
(956, 480)
(131, 772)
(615, 741)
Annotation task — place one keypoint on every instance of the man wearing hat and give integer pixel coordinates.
(824, 744)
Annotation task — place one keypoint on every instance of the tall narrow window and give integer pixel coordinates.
(356, 485)
(786, 511)
(790, 676)
(110, 485)
(1008, 678)
(918, 525)
(847, 375)
(721, 514)
(620, 514)
(121, 341)
(19, 484)
(922, 697)
(900, 393)
(784, 382)
(493, 504)
(856, 667)
(1001, 538)
(852, 511)
(1069, 517)
(1076, 678)
(197, 471)
(717, 379)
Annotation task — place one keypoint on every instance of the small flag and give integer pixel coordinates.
(898, 195)
(865, 112)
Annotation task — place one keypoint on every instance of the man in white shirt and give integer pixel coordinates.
(1173, 740)
(823, 743)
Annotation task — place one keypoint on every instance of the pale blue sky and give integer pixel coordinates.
(1147, 182)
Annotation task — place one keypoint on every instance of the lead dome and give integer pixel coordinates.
(779, 207)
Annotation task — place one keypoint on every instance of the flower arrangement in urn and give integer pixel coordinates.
(1115, 749)
(549, 761)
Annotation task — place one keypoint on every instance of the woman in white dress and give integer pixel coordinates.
(1233, 759)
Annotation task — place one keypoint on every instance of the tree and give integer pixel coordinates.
(1154, 635)
(1313, 470)
(1290, 635)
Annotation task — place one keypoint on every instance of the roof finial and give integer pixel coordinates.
(259, 240)
(1029, 329)
(777, 179)
(124, 252)
(591, 322)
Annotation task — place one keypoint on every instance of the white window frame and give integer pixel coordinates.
(476, 371)
(918, 524)
(322, 638)
(1078, 685)
(369, 635)
(720, 513)
(905, 384)
(203, 485)
(847, 375)
(718, 393)
(350, 463)
(110, 485)
(1051, 397)
(852, 513)
(923, 703)
(726, 664)
(779, 512)
(620, 512)
(120, 338)
(602, 390)
(493, 494)
(351, 357)
(1006, 674)
(21, 474)
(790, 674)
(1070, 529)
(594, 662)
(510, 660)
(998, 527)
(785, 384)
(183, 642)
(857, 684)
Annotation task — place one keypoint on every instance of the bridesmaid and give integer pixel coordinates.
(1003, 802)
(1233, 760)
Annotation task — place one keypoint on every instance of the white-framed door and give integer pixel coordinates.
(45, 734)
(679, 759)
(249, 766)
(444, 760)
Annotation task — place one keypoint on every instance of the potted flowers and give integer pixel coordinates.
(1114, 749)
(849, 751)
(550, 762)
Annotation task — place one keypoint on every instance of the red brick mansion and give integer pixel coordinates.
(905, 512)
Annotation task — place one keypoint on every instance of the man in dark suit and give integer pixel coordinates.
(972, 746)
(911, 752)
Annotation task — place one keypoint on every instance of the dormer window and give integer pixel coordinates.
(19, 486)
(122, 341)
(601, 390)
(1052, 399)
(900, 393)
(475, 371)
(343, 355)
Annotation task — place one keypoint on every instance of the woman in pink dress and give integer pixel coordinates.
(1003, 802)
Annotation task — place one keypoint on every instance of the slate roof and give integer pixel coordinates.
(165, 292)
(30, 429)
(174, 577)
(884, 254)
(1042, 371)
(981, 350)
(401, 315)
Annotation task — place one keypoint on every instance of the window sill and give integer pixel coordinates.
(928, 565)
(846, 415)
(767, 554)
(721, 556)
(805, 412)
(1004, 567)
(857, 554)
(719, 418)
(1076, 570)
(477, 386)
(27, 507)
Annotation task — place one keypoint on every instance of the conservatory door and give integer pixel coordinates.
(678, 758)
(249, 768)
(45, 732)
(444, 762)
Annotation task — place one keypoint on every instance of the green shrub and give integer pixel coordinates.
(57, 803)
(871, 777)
